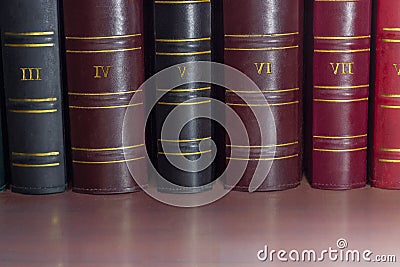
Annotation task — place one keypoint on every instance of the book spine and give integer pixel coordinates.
(105, 68)
(341, 66)
(386, 151)
(183, 34)
(263, 40)
(2, 110)
(33, 93)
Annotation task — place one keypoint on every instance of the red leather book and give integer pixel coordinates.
(105, 67)
(386, 152)
(263, 40)
(338, 93)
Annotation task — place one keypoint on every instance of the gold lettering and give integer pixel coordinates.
(343, 68)
(182, 71)
(260, 67)
(105, 70)
(396, 66)
(31, 74)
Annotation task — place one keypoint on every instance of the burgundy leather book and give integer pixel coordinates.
(339, 58)
(263, 40)
(105, 67)
(386, 152)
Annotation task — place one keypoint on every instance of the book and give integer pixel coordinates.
(105, 68)
(263, 39)
(386, 140)
(33, 94)
(338, 60)
(182, 34)
(2, 170)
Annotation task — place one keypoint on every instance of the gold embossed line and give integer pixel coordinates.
(35, 165)
(33, 100)
(261, 35)
(342, 51)
(182, 2)
(185, 153)
(342, 37)
(30, 45)
(103, 93)
(389, 160)
(106, 162)
(391, 29)
(340, 137)
(264, 91)
(46, 154)
(33, 111)
(264, 159)
(390, 106)
(266, 146)
(105, 107)
(390, 95)
(261, 49)
(340, 100)
(183, 53)
(181, 90)
(393, 150)
(29, 33)
(103, 51)
(341, 87)
(106, 149)
(183, 40)
(184, 103)
(184, 140)
(102, 37)
(263, 105)
(391, 40)
(340, 150)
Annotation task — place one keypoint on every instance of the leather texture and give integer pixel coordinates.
(33, 93)
(267, 32)
(339, 93)
(386, 153)
(183, 34)
(105, 67)
(2, 170)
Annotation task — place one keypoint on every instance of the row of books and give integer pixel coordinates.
(72, 68)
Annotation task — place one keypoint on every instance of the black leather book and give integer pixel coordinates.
(2, 173)
(183, 34)
(33, 86)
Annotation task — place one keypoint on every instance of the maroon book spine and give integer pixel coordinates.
(386, 155)
(105, 67)
(263, 40)
(339, 93)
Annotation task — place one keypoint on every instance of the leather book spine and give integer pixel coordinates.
(263, 39)
(2, 110)
(386, 149)
(340, 90)
(105, 68)
(183, 34)
(33, 94)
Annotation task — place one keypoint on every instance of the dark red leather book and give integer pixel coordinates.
(339, 59)
(263, 39)
(105, 67)
(386, 151)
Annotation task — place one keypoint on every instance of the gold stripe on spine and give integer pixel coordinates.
(185, 90)
(185, 154)
(340, 137)
(267, 146)
(47, 154)
(391, 29)
(30, 45)
(183, 40)
(184, 140)
(260, 35)
(390, 95)
(106, 162)
(104, 93)
(103, 51)
(340, 150)
(183, 2)
(38, 111)
(33, 100)
(341, 87)
(264, 105)
(391, 40)
(105, 149)
(105, 107)
(342, 51)
(394, 150)
(341, 100)
(261, 49)
(183, 53)
(264, 159)
(29, 33)
(264, 91)
(390, 106)
(389, 160)
(184, 103)
(342, 37)
(35, 165)
(102, 37)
